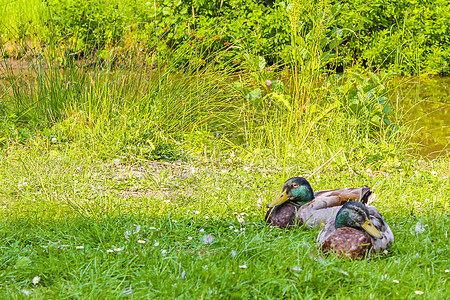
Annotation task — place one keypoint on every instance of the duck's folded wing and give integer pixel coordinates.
(339, 196)
(315, 218)
(327, 230)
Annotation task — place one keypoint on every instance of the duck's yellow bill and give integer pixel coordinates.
(280, 200)
(371, 229)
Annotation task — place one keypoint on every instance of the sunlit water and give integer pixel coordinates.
(425, 105)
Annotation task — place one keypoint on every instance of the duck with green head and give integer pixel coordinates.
(356, 231)
(298, 204)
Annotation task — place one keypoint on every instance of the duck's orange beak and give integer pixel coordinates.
(278, 201)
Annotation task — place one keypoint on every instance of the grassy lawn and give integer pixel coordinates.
(141, 229)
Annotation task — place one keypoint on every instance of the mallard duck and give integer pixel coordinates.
(356, 231)
(298, 204)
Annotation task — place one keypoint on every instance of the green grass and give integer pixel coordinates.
(55, 199)
(171, 153)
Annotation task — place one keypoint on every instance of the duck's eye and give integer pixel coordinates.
(295, 185)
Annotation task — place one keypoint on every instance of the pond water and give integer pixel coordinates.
(424, 104)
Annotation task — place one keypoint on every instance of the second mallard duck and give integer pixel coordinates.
(298, 204)
(356, 231)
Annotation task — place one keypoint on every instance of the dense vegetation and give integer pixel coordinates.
(409, 36)
(140, 142)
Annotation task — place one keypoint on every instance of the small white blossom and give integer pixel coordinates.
(196, 212)
(54, 140)
(116, 161)
(189, 238)
(298, 269)
(141, 241)
(418, 292)
(385, 251)
(343, 272)
(80, 247)
(26, 292)
(201, 230)
(243, 267)
(241, 220)
(152, 228)
(36, 280)
(231, 227)
(109, 250)
(395, 281)
(117, 249)
(233, 253)
(236, 230)
(446, 271)
(163, 251)
(206, 217)
(156, 244)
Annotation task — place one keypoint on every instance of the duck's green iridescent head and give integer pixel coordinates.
(355, 214)
(296, 189)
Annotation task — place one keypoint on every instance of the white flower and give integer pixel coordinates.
(418, 292)
(242, 229)
(243, 267)
(236, 230)
(446, 271)
(54, 140)
(156, 244)
(27, 293)
(141, 241)
(196, 212)
(109, 250)
(395, 281)
(241, 220)
(385, 251)
(174, 221)
(343, 272)
(296, 269)
(206, 217)
(201, 230)
(163, 251)
(116, 161)
(36, 280)
(80, 247)
(231, 227)
(233, 253)
(189, 238)
(117, 249)
(152, 228)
